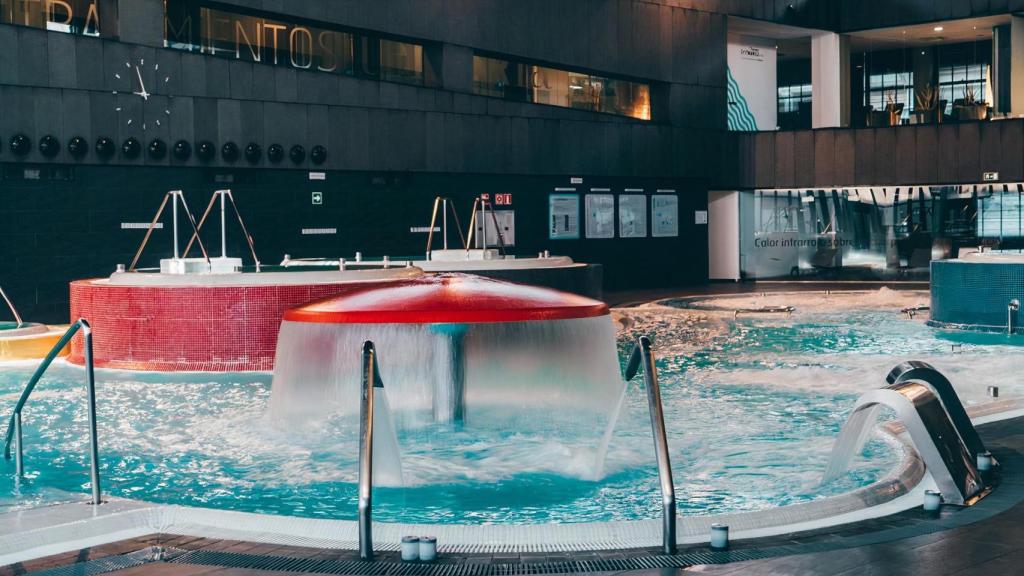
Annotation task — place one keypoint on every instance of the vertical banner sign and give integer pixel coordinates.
(752, 84)
(632, 216)
(600, 215)
(664, 215)
(563, 216)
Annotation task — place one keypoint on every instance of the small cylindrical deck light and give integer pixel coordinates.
(387, 262)
(120, 267)
(341, 264)
(428, 548)
(984, 460)
(932, 500)
(359, 256)
(547, 254)
(410, 548)
(993, 391)
(720, 536)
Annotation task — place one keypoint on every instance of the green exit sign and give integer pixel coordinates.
(318, 198)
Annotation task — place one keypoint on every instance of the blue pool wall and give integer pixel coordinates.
(975, 295)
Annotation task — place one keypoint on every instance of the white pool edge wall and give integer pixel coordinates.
(55, 529)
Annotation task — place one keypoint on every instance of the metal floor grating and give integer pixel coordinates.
(113, 563)
(359, 568)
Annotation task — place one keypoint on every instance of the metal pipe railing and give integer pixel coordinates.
(485, 207)
(14, 426)
(1012, 307)
(643, 356)
(223, 194)
(17, 317)
(443, 204)
(174, 196)
(371, 380)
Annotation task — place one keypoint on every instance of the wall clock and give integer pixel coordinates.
(133, 74)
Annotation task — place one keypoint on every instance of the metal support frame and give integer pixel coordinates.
(445, 204)
(484, 204)
(223, 194)
(371, 380)
(14, 427)
(642, 355)
(175, 196)
(17, 317)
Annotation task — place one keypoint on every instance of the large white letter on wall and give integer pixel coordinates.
(753, 91)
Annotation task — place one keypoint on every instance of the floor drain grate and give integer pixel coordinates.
(113, 563)
(357, 568)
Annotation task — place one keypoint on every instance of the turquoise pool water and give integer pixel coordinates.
(752, 414)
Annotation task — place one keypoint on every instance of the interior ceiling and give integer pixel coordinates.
(795, 43)
(953, 32)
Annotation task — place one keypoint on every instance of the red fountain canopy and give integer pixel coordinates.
(446, 299)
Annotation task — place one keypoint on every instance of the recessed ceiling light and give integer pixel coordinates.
(938, 28)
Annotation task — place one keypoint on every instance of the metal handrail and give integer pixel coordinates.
(17, 317)
(642, 354)
(484, 204)
(14, 425)
(445, 204)
(178, 196)
(223, 233)
(371, 380)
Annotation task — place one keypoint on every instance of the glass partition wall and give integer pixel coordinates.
(873, 233)
(922, 84)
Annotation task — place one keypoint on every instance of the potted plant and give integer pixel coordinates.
(894, 108)
(970, 108)
(926, 109)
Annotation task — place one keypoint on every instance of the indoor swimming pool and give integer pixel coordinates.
(753, 403)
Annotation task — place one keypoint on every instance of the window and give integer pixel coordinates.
(401, 62)
(193, 26)
(1001, 213)
(956, 81)
(887, 88)
(68, 16)
(790, 97)
(525, 82)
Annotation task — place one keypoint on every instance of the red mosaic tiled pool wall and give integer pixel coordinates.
(187, 328)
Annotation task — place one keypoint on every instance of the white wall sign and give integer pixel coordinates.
(506, 221)
(600, 215)
(700, 217)
(664, 215)
(563, 216)
(632, 216)
(752, 84)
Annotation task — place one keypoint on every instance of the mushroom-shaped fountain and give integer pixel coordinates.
(452, 347)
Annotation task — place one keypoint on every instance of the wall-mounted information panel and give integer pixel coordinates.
(564, 215)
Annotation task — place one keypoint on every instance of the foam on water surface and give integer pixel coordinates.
(753, 406)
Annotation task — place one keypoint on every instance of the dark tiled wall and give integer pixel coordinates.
(55, 231)
(64, 85)
(931, 154)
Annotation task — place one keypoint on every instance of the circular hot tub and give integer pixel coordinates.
(981, 291)
(201, 322)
